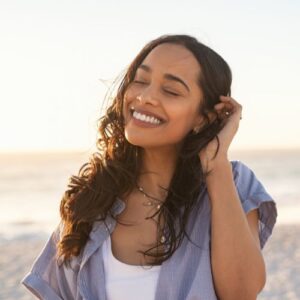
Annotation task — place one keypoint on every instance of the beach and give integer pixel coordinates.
(282, 256)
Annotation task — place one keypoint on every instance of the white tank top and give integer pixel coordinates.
(127, 282)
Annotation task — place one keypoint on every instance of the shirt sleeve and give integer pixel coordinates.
(42, 280)
(254, 196)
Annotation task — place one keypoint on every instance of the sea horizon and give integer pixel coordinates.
(32, 185)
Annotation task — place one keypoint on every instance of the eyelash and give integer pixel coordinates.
(168, 92)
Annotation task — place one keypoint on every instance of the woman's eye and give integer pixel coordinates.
(139, 82)
(171, 93)
(166, 91)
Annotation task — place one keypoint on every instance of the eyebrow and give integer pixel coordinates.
(167, 76)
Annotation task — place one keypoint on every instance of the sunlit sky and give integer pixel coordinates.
(53, 55)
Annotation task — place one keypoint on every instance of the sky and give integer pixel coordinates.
(58, 57)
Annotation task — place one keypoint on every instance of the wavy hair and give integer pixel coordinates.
(114, 169)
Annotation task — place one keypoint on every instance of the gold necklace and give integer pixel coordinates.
(152, 203)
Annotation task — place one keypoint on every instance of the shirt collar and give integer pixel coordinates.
(101, 230)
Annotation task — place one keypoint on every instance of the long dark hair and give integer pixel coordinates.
(113, 170)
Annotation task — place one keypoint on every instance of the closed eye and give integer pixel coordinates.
(166, 91)
(171, 93)
(139, 82)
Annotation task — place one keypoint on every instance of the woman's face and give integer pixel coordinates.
(161, 105)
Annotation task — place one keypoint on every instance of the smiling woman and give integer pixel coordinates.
(159, 212)
(165, 86)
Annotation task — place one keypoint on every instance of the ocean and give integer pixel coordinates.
(32, 185)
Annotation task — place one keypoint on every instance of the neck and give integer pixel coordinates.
(158, 167)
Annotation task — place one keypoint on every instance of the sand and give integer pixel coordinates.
(16, 258)
(282, 256)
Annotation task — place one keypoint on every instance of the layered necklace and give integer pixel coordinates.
(153, 201)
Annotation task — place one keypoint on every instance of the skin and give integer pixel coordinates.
(237, 262)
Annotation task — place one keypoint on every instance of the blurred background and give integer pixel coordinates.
(57, 60)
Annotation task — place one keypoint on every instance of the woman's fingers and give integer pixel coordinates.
(230, 101)
(228, 106)
(222, 105)
(225, 98)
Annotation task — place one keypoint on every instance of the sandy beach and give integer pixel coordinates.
(282, 256)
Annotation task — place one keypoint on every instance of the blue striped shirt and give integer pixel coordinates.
(186, 275)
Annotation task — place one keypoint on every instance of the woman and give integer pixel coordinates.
(160, 212)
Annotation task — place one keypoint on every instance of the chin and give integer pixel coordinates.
(151, 144)
(136, 141)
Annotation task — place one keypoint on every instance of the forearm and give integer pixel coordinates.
(237, 263)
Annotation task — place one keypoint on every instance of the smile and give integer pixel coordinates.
(145, 118)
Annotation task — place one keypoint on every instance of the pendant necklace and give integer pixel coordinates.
(151, 201)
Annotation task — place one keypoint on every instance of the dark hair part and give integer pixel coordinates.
(114, 170)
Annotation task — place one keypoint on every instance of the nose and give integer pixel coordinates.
(148, 95)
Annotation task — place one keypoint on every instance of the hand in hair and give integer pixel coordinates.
(229, 110)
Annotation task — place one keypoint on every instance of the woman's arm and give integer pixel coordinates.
(237, 262)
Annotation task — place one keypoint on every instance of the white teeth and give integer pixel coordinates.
(145, 118)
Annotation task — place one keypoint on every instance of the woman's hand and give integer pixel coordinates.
(231, 112)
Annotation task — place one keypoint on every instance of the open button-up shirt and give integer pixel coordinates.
(186, 275)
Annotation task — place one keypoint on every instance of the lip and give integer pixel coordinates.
(147, 113)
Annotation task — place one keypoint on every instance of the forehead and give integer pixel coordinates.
(174, 59)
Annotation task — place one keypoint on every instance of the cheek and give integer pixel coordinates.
(182, 115)
(126, 100)
(129, 97)
(183, 120)
(130, 93)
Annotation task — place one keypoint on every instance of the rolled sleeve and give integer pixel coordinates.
(253, 195)
(39, 287)
(42, 280)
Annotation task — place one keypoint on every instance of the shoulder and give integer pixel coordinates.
(253, 195)
(247, 182)
(241, 171)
